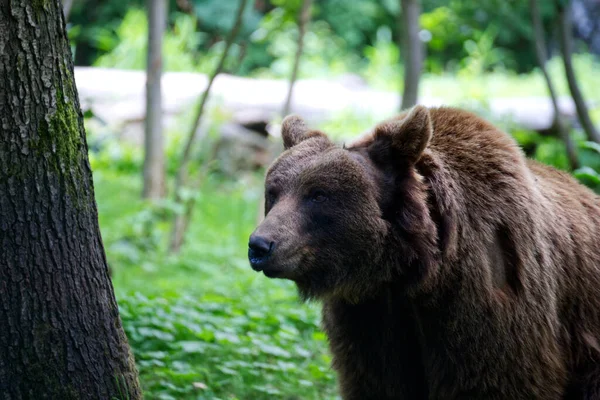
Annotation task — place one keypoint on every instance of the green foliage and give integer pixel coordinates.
(382, 69)
(589, 173)
(458, 87)
(348, 125)
(116, 155)
(217, 16)
(477, 36)
(216, 346)
(453, 23)
(444, 28)
(356, 22)
(91, 18)
(324, 53)
(128, 49)
(551, 151)
(482, 55)
(589, 177)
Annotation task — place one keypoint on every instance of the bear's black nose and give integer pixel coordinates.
(259, 250)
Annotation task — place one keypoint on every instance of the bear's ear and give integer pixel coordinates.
(293, 131)
(408, 137)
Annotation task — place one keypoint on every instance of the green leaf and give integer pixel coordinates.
(587, 174)
(591, 146)
(190, 346)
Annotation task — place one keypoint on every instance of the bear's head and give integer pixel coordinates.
(344, 221)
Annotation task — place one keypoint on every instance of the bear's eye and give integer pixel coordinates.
(271, 196)
(318, 196)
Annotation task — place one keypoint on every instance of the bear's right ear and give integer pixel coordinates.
(407, 137)
(293, 130)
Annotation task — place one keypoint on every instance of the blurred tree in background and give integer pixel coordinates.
(154, 158)
(412, 50)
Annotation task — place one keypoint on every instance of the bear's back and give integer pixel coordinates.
(482, 156)
(496, 182)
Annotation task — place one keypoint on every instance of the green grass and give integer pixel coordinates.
(202, 324)
(456, 88)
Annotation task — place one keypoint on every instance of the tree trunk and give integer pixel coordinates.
(412, 51)
(302, 24)
(542, 58)
(565, 26)
(60, 332)
(154, 157)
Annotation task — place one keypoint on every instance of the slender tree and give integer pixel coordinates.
(179, 223)
(542, 57)
(412, 51)
(565, 25)
(60, 332)
(154, 157)
(303, 20)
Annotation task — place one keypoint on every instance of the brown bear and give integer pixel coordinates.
(449, 266)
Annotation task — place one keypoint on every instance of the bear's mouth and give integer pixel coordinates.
(282, 269)
(273, 273)
(268, 267)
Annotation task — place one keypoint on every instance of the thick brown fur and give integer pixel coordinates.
(449, 266)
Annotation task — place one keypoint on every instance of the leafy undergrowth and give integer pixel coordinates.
(218, 347)
(202, 324)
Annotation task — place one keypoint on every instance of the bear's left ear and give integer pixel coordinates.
(408, 137)
(294, 131)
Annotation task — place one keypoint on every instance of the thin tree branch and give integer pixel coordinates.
(542, 57)
(303, 20)
(182, 223)
(181, 177)
(566, 46)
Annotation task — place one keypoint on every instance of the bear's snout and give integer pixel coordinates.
(259, 251)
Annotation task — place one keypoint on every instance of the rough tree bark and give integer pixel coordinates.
(181, 178)
(303, 20)
(540, 51)
(412, 51)
(154, 157)
(60, 332)
(565, 25)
